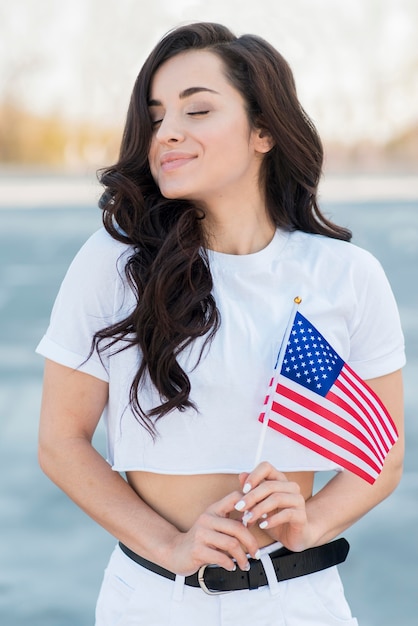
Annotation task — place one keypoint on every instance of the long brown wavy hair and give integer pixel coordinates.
(168, 269)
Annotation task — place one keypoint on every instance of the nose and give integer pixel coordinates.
(169, 130)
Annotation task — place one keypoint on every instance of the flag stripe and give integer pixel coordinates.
(375, 404)
(331, 419)
(350, 396)
(317, 414)
(369, 476)
(316, 437)
(314, 441)
(340, 395)
(327, 434)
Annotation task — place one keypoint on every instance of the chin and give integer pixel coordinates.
(175, 194)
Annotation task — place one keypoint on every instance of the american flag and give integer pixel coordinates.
(320, 402)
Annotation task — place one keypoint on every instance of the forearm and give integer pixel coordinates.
(82, 473)
(71, 408)
(346, 498)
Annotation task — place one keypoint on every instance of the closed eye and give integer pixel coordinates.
(198, 113)
(156, 123)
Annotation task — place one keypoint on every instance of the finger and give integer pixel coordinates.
(232, 528)
(226, 505)
(259, 494)
(274, 504)
(232, 548)
(294, 516)
(263, 471)
(243, 480)
(247, 543)
(219, 549)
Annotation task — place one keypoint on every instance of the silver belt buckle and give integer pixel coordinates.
(202, 584)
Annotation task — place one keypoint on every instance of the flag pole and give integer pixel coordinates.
(278, 366)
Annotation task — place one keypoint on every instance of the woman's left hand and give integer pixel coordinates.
(276, 505)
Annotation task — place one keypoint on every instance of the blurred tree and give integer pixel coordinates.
(356, 65)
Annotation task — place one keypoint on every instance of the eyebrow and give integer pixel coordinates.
(190, 91)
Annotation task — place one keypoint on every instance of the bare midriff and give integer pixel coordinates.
(181, 499)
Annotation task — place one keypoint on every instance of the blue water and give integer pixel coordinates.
(51, 554)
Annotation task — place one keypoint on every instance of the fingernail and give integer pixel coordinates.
(246, 488)
(257, 555)
(247, 567)
(263, 524)
(246, 517)
(240, 505)
(264, 516)
(234, 569)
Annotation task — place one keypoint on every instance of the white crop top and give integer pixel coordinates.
(345, 295)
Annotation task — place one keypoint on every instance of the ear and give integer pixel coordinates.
(264, 142)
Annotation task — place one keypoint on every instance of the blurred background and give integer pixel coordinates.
(66, 73)
(67, 69)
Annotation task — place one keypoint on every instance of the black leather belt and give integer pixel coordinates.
(214, 579)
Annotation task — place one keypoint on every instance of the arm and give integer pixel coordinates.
(340, 503)
(72, 405)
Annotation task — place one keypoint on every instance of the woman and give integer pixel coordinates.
(169, 322)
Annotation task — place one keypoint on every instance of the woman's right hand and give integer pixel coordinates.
(215, 539)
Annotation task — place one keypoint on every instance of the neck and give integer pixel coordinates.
(242, 230)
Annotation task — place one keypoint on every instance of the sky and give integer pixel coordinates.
(355, 61)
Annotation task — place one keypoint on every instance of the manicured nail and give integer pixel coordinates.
(234, 569)
(257, 555)
(246, 488)
(240, 505)
(264, 516)
(247, 567)
(246, 517)
(263, 524)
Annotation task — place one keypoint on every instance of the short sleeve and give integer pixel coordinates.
(89, 300)
(376, 338)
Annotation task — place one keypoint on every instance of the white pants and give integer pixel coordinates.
(133, 596)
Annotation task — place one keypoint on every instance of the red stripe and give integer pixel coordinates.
(332, 397)
(363, 409)
(376, 416)
(325, 433)
(323, 451)
(330, 416)
(376, 398)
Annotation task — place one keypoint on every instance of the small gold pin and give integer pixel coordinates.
(297, 300)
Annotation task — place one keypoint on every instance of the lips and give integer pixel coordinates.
(172, 160)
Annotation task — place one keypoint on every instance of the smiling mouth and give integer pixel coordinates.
(176, 162)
